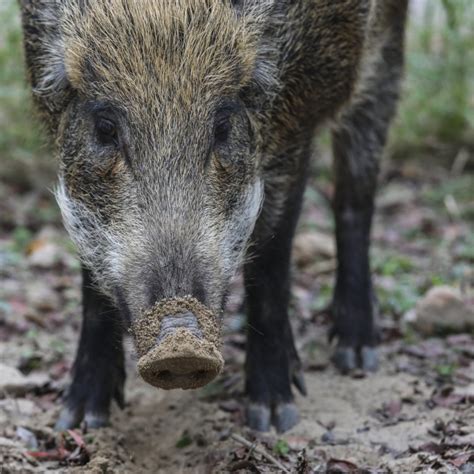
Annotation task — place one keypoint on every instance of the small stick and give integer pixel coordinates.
(259, 450)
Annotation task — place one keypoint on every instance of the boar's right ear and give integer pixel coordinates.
(262, 18)
(44, 55)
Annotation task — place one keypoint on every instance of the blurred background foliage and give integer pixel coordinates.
(436, 114)
(437, 109)
(24, 157)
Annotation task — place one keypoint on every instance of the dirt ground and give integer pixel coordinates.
(415, 414)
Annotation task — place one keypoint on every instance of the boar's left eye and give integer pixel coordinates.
(222, 130)
(106, 131)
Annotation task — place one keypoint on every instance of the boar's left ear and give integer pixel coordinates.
(44, 54)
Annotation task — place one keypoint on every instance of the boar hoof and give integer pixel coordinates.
(348, 359)
(92, 406)
(345, 359)
(96, 420)
(369, 359)
(258, 417)
(68, 419)
(283, 416)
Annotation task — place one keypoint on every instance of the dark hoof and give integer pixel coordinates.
(89, 399)
(258, 417)
(345, 359)
(285, 416)
(68, 419)
(369, 359)
(96, 420)
(348, 359)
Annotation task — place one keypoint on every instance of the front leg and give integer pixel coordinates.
(272, 363)
(98, 372)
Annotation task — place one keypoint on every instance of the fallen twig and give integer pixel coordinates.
(260, 451)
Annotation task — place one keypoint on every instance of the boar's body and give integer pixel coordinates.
(183, 130)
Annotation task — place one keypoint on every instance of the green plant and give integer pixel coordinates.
(281, 447)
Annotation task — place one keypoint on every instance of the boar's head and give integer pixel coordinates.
(154, 106)
(158, 141)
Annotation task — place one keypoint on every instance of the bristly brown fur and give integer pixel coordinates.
(190, 48)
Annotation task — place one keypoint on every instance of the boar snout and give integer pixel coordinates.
(177, 341)
(170, 323)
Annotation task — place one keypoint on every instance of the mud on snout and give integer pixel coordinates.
(178, 344)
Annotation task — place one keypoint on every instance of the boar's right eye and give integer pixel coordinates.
(106, 131)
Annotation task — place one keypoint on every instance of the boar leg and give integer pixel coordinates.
(98, 373)
(272, 363)
(358, 143)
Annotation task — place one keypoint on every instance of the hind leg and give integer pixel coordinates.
(358, 142)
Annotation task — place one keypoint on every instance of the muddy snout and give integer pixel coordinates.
(178, 344)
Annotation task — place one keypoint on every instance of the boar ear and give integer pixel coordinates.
(44, 55)
(262, 19)
(246, 5)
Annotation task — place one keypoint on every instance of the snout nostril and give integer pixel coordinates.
(165, 375)
(183, 377)
(179, 372)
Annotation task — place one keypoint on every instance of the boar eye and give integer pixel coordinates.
(222, 130)
(106, 131)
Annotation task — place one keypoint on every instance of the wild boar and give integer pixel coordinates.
(183, 131)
